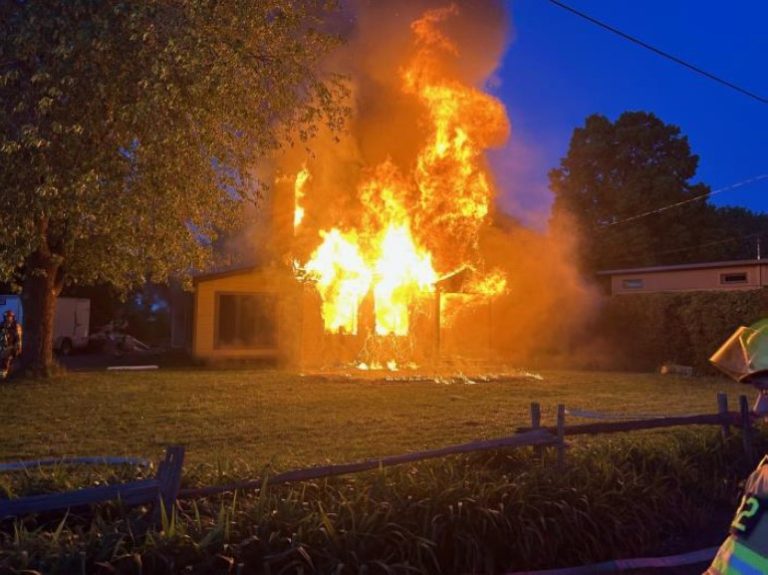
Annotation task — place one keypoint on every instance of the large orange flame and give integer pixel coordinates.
(343, 278)
(418, 227)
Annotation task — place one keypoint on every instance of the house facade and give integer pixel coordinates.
(708, 276)
(244, 314)
(265, 313)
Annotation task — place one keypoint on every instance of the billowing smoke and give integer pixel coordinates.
(544, 300)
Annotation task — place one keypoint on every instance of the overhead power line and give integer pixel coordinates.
(661, 53)
(697, 246)
(689, 200)
(712, 243)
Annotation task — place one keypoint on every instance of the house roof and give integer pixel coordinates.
(682, 267)
(225, 273)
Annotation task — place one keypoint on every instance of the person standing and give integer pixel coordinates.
(10, 343)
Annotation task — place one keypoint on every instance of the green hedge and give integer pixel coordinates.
(645, 330)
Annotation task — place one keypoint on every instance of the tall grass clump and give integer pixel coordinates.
(481, 513)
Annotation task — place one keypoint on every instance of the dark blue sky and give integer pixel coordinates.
(559, 69)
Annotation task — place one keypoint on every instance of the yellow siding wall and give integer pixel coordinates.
(263, 281)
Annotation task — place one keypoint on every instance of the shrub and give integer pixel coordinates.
(646, 330)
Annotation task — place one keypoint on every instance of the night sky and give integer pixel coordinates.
(559, 68)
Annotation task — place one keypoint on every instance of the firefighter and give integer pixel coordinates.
(10, 343)
(744, 357)
(745, 551)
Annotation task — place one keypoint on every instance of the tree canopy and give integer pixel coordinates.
(617, 172)
(129, 131)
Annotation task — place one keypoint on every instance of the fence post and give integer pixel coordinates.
(722, 410)
(169, 474)
(536, 424)
(746, 426)
(560, 435)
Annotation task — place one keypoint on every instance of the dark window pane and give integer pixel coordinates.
(734, 278)
(632, 284)
(247, 321)
(227, 320)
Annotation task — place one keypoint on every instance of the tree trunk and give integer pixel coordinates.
(41, 287)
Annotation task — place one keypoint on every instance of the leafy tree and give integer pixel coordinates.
(739, 231)
(616, 171)
(128, 132)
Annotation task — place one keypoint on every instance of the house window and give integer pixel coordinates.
(246, 321)
(634, 283)
(734, 278)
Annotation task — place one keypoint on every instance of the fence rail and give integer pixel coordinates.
(531, 438)
(165, 486)
(640, 424)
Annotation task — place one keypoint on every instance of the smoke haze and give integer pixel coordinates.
(545, 300)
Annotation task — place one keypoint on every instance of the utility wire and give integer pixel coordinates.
(689, 200)
(661, 53)
(708, 244)
(704, 245)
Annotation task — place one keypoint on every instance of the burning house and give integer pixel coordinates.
(384, 252)
(265, 313)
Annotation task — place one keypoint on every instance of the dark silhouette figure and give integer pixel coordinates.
(10, 343)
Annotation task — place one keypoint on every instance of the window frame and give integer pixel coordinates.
(743, 278)
(626, 283)
(274, 296)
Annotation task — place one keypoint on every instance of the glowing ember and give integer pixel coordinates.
(493, 283)
(414, 224)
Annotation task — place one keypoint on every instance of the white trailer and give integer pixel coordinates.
(70, 324)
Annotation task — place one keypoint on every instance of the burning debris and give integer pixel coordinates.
(460, 378)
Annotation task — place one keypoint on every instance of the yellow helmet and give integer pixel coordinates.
(744, 355)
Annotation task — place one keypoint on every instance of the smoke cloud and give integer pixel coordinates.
(545, 302)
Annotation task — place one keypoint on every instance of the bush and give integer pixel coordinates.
(482, 513)
(646, 330)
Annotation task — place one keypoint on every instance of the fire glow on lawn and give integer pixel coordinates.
(419, 227)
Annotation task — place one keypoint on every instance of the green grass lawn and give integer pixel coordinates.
(622, 495)
(272, 417)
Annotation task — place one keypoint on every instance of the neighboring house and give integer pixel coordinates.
(728, 275)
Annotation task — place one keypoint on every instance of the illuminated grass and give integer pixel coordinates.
(618, 496)
(262, 417)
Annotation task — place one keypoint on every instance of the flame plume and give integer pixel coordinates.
(423, 223)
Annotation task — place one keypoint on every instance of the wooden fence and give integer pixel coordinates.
(165, 486)
(723, 418)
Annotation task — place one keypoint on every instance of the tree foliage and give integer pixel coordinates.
(738, 233)
(616, 171)
(129, 131)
